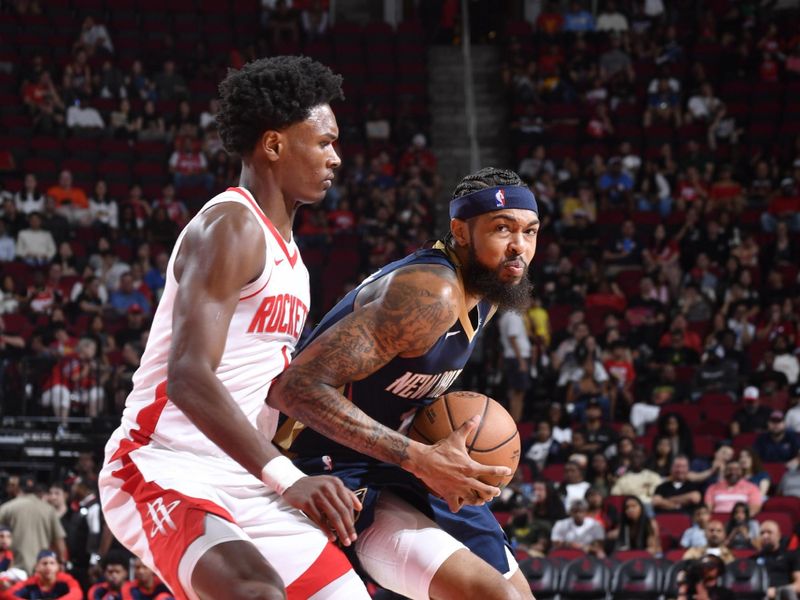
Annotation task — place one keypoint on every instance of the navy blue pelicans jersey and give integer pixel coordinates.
(392, 395)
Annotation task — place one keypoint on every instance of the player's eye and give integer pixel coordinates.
(502, 228)
(531, 231)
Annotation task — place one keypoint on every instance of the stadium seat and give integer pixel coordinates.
(554, 473)
(672, 578)
(746, 579)
(585, 578)
(542, 575)
(673, 523)
(775, 471)
(566, 553)
(744, 440)
(637, 579)
(675, 555)
(787, 504)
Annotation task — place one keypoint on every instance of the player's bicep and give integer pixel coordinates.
(409, 316)
(212, 273)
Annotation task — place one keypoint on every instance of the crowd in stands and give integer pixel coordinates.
(661, 349)
(655, 376)
(107, 149)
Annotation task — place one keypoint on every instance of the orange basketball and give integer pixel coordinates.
(495, 441)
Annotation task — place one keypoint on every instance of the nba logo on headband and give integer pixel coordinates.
(500, 198)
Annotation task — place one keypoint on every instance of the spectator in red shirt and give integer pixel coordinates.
(550, 21)
(418, 154)
(785, 205)
(722, 496)
(189, 166)
(48, 582)
(726, 193)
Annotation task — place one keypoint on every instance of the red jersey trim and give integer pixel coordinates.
(278, 238)
(257, 291)
(329, 566)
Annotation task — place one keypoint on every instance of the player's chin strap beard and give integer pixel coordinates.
(484, 281)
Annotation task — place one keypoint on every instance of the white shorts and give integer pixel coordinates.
(164, 520)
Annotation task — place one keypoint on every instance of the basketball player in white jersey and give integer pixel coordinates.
(191, 483)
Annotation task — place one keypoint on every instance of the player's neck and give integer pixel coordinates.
(461, 256)
(279, 210)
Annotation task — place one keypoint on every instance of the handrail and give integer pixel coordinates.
(469, 90)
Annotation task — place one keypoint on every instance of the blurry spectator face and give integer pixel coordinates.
(65, 179)
(746, 461)
(733, 473)
(142, 574)
(599, 464)
(30, 182)
(126, 283)
(5, 539)
(593, 413)
(116, 575)
(595, 499)
(47, 568)
(701, 516)
(770, 535)
(633, 511)
(715, 534)
(628, 229)
(539, 491)
(578, 512)
(56, 497)
(637, 460)
(572, 473)
(672, 426)
(776, 426)
(543, 431)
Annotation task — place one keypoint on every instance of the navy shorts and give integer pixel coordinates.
(473, 526)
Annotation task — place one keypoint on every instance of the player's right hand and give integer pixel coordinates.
(326, 501)
(450, 473)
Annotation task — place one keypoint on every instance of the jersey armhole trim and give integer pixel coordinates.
(278, 237)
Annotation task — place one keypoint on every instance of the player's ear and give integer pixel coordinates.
(460, 231)
(272, 144)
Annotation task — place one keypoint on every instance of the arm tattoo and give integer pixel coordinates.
(408, 317)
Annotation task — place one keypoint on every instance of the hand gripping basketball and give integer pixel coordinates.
(449, 472)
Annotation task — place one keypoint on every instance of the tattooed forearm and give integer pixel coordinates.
(411, 313)
(325, 410)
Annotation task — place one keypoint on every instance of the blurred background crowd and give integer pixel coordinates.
(655, 376)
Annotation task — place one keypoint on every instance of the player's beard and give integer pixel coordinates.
(484, 281)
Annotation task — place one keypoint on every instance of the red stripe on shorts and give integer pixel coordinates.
(170, 520)
(329, 566)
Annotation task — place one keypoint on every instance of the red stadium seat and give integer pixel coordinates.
(673, 524)
(775, 471)
(566, 553)
(787, 504)
(554, 473)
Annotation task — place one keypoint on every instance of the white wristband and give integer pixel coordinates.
(280, 474)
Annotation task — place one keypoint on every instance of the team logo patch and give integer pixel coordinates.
(160, 513)
(500, 197)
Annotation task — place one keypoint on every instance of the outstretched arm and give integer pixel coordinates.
(405, 316)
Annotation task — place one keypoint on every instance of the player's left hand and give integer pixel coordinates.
(326, 501)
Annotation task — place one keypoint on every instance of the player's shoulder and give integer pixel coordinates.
(432, 279)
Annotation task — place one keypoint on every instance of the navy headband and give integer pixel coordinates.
(491, 199)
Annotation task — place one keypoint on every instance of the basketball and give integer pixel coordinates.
(495, 441)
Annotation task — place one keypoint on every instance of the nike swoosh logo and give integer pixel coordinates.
(449, 333)
(278, 261)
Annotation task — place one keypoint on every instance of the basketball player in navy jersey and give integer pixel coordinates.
(391, 346)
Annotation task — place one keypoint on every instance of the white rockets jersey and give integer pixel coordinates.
(263, 332)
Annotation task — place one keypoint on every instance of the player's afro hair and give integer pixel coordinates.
(486, 178)
(271, 93)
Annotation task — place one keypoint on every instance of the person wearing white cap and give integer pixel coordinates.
(752, 417)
